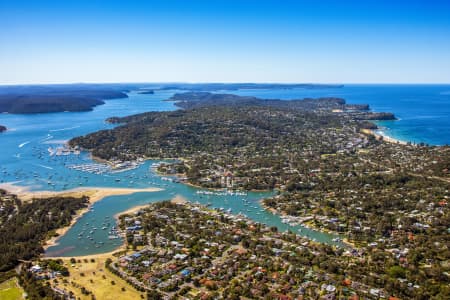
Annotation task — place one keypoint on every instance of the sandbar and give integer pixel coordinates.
(94, 193)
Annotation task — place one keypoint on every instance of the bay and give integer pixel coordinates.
(423, 112)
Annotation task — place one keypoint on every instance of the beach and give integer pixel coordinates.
(381, 136)
(178, 199)
(94, 193)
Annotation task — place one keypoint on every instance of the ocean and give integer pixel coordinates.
(423, 113)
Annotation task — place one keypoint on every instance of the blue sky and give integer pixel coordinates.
(225, 41)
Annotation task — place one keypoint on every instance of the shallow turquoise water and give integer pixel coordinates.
(25, 160)
(424, 113)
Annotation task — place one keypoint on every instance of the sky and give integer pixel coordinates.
(225, 41)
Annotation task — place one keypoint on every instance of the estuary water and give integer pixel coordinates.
(424, 113)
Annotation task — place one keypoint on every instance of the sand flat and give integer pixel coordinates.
(94, 193)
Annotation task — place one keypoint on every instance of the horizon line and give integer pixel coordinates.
(225, 82)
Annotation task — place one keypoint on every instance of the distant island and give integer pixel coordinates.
(27, 99)
(2, 128)
(239, 86)
(191, 100)
(216, 122)
(55, 98)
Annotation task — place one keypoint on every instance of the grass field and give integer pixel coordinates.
(9, 290)
(94, 277)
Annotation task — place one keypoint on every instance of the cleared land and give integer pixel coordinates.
(90, 272)
(10, 290)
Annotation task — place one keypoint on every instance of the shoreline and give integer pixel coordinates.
(270, 209)
(94, 195)
(217, 189)
(179, 176)
(381, 136)
(98, 194)
(178, 199)
(345, 240)
(95, 256)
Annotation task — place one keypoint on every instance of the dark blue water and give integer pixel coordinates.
(423, 112)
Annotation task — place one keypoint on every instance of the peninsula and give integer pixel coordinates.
(55, 98)
(186, 250)
(33, 221)
(26, 225)
(389, 200)
(27, 99)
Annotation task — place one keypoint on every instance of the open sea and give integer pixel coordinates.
(423, 113)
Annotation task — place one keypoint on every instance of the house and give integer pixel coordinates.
(180, 256)
(36, 269)
(146, 263)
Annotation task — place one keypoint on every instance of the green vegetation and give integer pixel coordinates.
(89, 279)
(55, 98)
(390, 200)
(24, 226)
(35, 288)
(10, 290)
(202, 99)
(191, 251)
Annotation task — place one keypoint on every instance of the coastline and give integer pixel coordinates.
(97, 194)
(53, 241)
(345, 240)
(215, 189)
(179, 176)
(178, 199)
(95, 256)
(270, 209)
(94, 194)
(381, 136)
